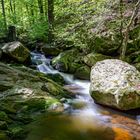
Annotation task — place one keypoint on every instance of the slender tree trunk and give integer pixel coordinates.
(46, 9)
(50, 20)
(4, 14)
(14, 11)
(41, 10)
(126, 33)
(11, 7)
(121, 24)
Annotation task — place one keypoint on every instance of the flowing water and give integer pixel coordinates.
(82, 120)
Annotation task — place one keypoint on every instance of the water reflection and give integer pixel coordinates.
(65, 127)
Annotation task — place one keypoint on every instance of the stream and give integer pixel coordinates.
(83, 119)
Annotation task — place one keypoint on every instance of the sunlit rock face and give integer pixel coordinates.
(116, 84)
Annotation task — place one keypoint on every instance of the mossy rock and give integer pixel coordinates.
(16, 51)
(50, 51)
(57, 78)
(55, 90)
(92, 58)
(73, 67)
(106, 45)
(36, 104)
(66, 61)
(83, 73)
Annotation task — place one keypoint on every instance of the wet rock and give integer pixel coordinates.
(56, 107)
(57, 78)
(16, 51)
(55, 89)
(78, 104)
(106, 46)
(92, 58)
(83, 73)
(50, 51)
(67, 61)
(116, 84)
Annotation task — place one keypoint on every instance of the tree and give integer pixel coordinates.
(41, 10)
(50, 19)
(126, 32)
(4, 14)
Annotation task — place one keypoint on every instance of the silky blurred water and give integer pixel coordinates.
(87, 122)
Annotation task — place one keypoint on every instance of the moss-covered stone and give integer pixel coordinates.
(92, 58)
(16, 51)
(50, 51)
(67, 61)
(83, 73)
(106, 46)
(57, 78)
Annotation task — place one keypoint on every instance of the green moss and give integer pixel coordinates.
(92, 58)
(67, 61)
(83, 73)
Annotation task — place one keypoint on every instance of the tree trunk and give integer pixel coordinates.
(11, 7)
(50, 20)
(11, 33)
(126, 33)
(4, 15)
(121, 24)
(40, 6)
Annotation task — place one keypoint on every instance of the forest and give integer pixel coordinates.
(69, 70)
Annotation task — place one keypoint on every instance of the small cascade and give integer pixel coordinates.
(43, 64)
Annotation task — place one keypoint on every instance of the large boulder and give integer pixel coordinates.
(16, 51)
(92, 58)
(116, 84)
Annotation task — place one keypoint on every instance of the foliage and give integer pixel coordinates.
(77, 21)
